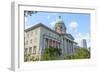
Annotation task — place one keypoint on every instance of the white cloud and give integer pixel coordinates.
(26, 22)
(73, 25)
(81, 36)
(27, 25)
(25, 18)
(48, 17)
(53, 23)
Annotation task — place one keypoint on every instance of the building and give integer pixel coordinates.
(84, 43)
(39, 37)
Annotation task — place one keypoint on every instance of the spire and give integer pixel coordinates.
(59, 17)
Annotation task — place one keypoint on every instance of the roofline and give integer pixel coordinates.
(40, 25)
(67, 36)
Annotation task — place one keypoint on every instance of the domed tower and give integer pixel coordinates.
(60, 26)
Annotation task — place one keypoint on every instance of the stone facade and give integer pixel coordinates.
(39, 37)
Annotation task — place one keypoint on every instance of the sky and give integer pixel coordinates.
(77, 24)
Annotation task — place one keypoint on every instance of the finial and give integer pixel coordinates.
(59, 17)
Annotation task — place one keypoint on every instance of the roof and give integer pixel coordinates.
(42, 25)
(60, 23)
(69, 36)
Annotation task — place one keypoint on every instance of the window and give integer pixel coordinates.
(25, 50)
(28, 35)
(31, 33)
(24, 37)
(60, 27)
(35, 39)
(34, 49)
(46, 42)
(31, 41)
(35, 32)
(30, 50)
(49, 34)
(26, 42)
(34, 46)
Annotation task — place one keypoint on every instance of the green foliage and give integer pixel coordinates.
(26, 57)
(51, 53)
(29, 13)
(34, 58)
(81, 53)
(29, 57)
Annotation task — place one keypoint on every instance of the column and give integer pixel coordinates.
(44, 44)
(59, 45)
(48, 43)
(68, 47)
(65, 46)
(71, 47)
(56, 44)
(52, 43)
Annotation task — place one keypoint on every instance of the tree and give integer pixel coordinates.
(80, 53)
(51, 53)
(26, 57)
(29, 13)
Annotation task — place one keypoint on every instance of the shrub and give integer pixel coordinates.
(80, 53)
(51, 53)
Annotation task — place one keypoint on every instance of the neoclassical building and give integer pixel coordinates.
(39, 37)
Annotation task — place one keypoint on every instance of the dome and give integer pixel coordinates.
(60, 26)
(59, 23)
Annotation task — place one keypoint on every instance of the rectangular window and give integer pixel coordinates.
(34, 50)
(30, 50)
(31, 41)
(46, 42)
(31, 34)
(35, 32)
(26, 42)
(27, 35)
(26, 50)
(35, 39)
